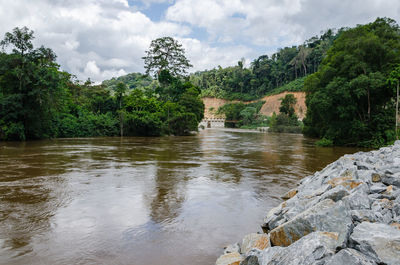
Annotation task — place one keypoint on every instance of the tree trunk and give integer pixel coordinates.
(121, 124)
(369, 105)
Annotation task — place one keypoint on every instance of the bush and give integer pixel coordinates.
(324, 142)
(183, 123)
(14, 131)
(143, 123)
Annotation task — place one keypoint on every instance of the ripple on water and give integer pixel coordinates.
(116, 201)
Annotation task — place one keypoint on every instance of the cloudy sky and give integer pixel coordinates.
(105, 38)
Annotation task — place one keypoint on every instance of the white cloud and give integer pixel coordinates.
(275, 22)
(93, 39)
(207, 57)
(102, 38)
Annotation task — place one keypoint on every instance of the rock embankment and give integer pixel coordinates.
(347, 213)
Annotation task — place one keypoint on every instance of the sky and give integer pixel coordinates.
(101, 39)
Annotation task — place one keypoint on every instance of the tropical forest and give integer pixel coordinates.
(199, 132)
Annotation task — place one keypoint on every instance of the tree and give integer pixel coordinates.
(20, 38)
(120, 90)
(287, 105)
(166, 54)
(349, 100)
(394, 80)
(33, 89)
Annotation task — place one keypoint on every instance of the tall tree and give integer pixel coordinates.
(394, 81)
(348, 99)
(287, 105)
(166, 54)
(120, 90)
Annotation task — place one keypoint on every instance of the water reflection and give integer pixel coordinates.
(168, 200)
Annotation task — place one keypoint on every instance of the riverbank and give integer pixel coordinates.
(347, 213)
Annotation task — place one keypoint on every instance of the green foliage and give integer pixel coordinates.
(286, 121)
(349, 100)
(166, 54)
(143, 123)
(283, 71)
(183, 123)
(132, 81)
(282, 123)
(240, 115)
(87, 124)
(287, 105)
(38, 101)
(324, 142)
(293, 86)
(232, 113)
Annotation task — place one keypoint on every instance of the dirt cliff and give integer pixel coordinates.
(272, 104)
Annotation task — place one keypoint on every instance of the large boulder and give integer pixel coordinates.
(315, 248)
(232, 248)
(358, 199)
(326, 216)
(254, 240)
(380, 242)
(350, 256)
(233, 258)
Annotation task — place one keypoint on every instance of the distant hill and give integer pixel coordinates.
(132, 80)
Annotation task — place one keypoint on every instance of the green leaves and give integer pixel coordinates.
(166, 54)
(349, 99)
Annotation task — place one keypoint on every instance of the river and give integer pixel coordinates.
(166, 200)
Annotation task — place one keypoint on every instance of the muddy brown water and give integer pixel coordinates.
(167, 200)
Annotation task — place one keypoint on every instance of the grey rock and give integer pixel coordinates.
(327, 215)
(365, 215)
(383, 206)
(314, 248)
(273, 218)
(352, 205)
(232, 248)
(362, 165)
(228, 259)
(378, 188)
(379, 242)
(335, 194)
(396, 210)
(250, 260)
(391, 180)
(313, 191)
(358, 199)
(350, 256)
(295, 207)
(254, 240)
(375, 196)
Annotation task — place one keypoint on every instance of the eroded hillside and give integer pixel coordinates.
(272, 104)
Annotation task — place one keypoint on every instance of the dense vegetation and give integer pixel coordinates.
(132, 81)
(266, 74)
(286, 121)
(240, 115)
(38, 100)
(349, 100)
(350, 78)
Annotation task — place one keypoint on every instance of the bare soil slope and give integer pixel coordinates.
(272, 104)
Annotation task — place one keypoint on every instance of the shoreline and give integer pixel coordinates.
(347, 213)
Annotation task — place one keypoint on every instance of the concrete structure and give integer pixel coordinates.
(212, 123)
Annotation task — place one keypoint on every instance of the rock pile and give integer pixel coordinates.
(348, 213)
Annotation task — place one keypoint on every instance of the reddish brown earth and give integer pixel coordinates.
(272, 104)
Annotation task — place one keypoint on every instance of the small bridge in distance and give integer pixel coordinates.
(213, 123)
